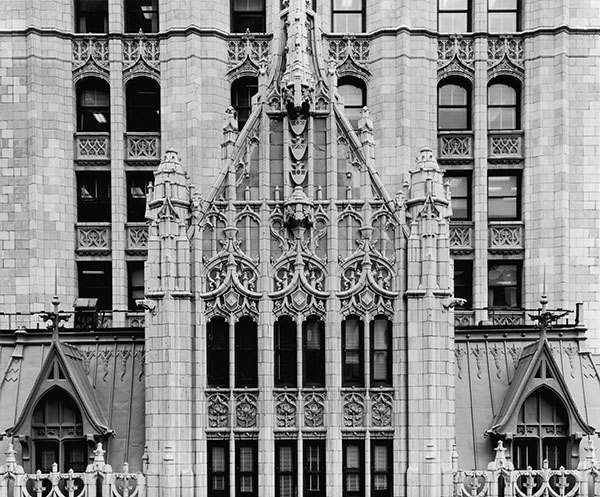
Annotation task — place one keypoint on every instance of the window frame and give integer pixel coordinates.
(293, 473)
(104, 299)
(466, 12)
(362, 11)
(81, 16)
(353, 112)
(518, 287)
(132, 290)
(238, 14)
(85, 123)
(239, 474)
(516, 87)
(360, 471)
(94, 203)
(466, 266)
(352, 380)
(517, 16)
(136, 205)
(313, 360)
(387, 381)
(217, 358)
(286, 355)
(389, 473)
(469, 197)
(130, 12)
(210, 445)
(321, 471)
(250, 86)
(518, 197)
(246, 353)
(136, 106)
(468, 106)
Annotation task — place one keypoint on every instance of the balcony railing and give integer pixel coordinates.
(505, 237)
(92, 148)
(505, 147)
(142, 148)
(506, 317)
(461, 237)
(455, 146)
(98, 480)
(464, 318)
(137, 238)
(93, 238)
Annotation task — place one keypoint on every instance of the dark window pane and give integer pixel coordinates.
(95, 281)
(381, 345)
(314, 353)
(143, 105)
(137, 186)
(246, 366)
(504, 285)
(135, 287)
(246, 469)
(91, 16)
(93, 197)
(218, 352)
(248, 15)
(242, 92)
(285, 352)
(141, 15)
(463, 281)
(314, 468)
(93, 105)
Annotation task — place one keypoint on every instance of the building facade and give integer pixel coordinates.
(264, 280)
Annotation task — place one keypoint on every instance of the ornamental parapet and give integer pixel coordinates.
(455, 147)
(136, 242)
(505, 47)
(464, 318)
(92, 238)
(142, 148)
(506, 317)
(246, 52)
(505, 147)
(461, 237)
(456, 47)
(92, 148)
(90, 53)
(505, 237)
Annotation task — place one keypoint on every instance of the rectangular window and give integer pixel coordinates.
(352, 352)
(314, 468)
(454, 16)
(76, 456)
(246, 469)
(353, 468)
(381, 469)
(218, 468)
(135, 283)
(503, 16)
(137, 184)
(141, 15)
(248, 15)
(504, 284)
(554, 450)
(46, 454)
(91, 16)
(217, 354)
(95, 282)
(348, 16)
(525, 453)
(285, 352)
(463, 281)
(314, 353)
(285, 468)
(504, 199)
(93, 197)
(246, 365)
(460, 188)
(381, 352)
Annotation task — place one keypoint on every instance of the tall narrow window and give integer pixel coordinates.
(314, 468)
(248, 15)
(348, 16)
(381, 468)
(463, 281)
(137, 185)
(218, 468)
(454, 106)
(285, 468)
(135, 283)
(460, 188)
(93, 105)
(454, 16)
(217, 354)
(314, 352)
(354, 95)
(93, 197)
(353, 468)
(246, 365)
(504, 203)
(246, 469)
(503, 16)
(504, 284)
(242, 92)
(143, 105)
(381, 352)
(91, 16)
(95, 282)
(352, 352)
(285, 352)
(503, 107)
(57, 432)
(141, 15)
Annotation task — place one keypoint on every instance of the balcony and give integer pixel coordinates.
(92, 238)
(137, 238)
(461, 237)
(464, 318)
(506, 317)
(142, 148)
(92, 148)
(505, 238)
(455, 147)
(505, 147)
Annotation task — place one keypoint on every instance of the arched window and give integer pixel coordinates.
(143, 105)
(91, 16)
(141, 15)
(542, 432)
(93, 105)
(354, 95)
(248, 15)
(454, 105)
(57, 431)
(503, 105)
(242, 92)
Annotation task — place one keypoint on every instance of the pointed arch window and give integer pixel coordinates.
(542, 432)
(93, 105)
(143, 105)
(57, 432)
(242, 92)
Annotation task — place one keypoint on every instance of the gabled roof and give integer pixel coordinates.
(76, 383)
(526, 380)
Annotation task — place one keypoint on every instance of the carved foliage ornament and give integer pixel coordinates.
(354, 409)
(314, 409)
(218, 410)
(286, 409)
(245, 410)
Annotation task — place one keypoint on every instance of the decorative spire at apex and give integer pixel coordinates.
(298, 79)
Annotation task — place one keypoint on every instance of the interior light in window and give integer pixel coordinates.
(100, 117)
(137, 192)
(84, 193)
(92, 271)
